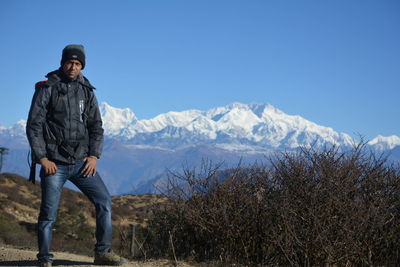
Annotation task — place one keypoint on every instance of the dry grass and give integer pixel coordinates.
(135, 209)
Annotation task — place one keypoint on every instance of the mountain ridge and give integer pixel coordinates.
(258, 123)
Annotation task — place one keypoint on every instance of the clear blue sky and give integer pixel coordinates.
(336, 63)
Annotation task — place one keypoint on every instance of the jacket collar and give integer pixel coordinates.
(57, 76)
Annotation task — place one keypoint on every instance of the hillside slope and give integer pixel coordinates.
(21, 199)
(74, 230)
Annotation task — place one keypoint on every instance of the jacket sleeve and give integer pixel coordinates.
(95, 128)
(36, 120)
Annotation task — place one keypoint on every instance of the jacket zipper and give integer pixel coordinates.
(69, 111)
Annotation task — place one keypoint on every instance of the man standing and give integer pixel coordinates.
(65, 133)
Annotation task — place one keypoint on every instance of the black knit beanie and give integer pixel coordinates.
(73, 52)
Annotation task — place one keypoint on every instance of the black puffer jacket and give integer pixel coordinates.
(64, 122)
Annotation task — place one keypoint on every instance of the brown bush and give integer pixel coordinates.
(304, 208)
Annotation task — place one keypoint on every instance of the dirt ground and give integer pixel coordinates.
(18, 257)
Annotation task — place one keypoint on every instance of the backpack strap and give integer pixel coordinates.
(39, 86)
(32, 172)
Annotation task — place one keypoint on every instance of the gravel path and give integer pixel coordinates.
(19, 257)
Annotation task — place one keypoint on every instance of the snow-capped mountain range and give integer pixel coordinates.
(236, 125)
(165, 141)
(233, 126)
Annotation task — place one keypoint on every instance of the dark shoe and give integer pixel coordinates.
(108, 258)
(44, 264)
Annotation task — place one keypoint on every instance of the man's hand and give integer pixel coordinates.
(49, 166)
(90, 166)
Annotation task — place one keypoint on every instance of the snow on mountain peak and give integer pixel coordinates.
(238, 121)
(115, 119)
(385, 142)
(20, 124)
(17, 129)
(172, 118)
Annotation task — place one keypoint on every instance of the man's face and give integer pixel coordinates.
(72, 68)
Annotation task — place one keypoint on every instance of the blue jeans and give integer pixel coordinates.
(92, 186)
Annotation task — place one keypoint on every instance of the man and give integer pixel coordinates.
(65, 133)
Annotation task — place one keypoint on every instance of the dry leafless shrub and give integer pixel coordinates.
(304, 208)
